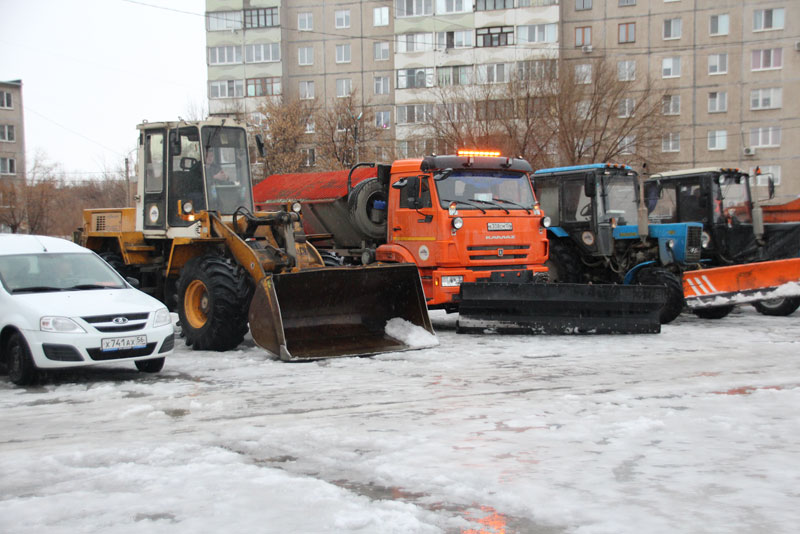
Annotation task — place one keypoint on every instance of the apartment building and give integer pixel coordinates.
(729, 68)
(12, 131)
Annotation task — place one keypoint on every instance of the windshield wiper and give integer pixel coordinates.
(527, 210)
(91, 286)
(36, 289)
(492, 203)
(467, 202)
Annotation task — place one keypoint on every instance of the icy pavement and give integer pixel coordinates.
(694, 430)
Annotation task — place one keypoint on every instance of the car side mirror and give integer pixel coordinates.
(771, 187)
(262, 151)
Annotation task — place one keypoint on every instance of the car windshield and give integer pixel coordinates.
(619, 198)
(227, 170)
(48, 272)
(482, 189)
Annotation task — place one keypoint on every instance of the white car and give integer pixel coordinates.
(63, 306)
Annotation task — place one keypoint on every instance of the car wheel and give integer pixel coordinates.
(21, 369)
(150, 366)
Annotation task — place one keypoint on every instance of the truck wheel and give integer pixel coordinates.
(21, 369)
(562, 265)
(717, 312)
(778, 307)
(212, 295)
(365, 217)
(661, 277)
(150, 366)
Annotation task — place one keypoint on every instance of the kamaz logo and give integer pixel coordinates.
(119, 320)
(501, 237)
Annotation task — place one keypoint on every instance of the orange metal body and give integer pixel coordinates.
(739, 283)
(781, 213)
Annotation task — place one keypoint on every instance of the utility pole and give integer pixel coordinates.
(127, 183)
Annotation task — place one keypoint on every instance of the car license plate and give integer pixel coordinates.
(119, 343)
(495, 227)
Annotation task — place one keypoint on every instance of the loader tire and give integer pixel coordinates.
(213, 297)
(115, 261)
(562, 265)
(362, 213)
(675, 302)
(779, 307)
(717, 312)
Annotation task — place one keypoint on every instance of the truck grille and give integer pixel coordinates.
(694, 244)
(495, 252)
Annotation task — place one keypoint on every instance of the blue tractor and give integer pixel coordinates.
(600, 233)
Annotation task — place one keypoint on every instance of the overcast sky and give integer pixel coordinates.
(94, 69)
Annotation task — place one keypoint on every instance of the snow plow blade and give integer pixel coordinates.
(336, 311)
(736, 284)
(509, 308)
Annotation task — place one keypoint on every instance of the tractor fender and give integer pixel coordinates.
(630, 276)
(557, 231)
(394, 254)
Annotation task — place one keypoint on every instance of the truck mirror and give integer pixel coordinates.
(590, 186)
(260, 146)
(771, 187)
(174, 143)
(400, 184)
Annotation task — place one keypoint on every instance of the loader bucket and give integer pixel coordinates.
(336, 311)
(509, 308)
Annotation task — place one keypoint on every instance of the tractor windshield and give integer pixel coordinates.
(735, 197)
(619, 198)
(482, 189)
(227, 171)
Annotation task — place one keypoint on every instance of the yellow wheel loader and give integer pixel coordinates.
(194, 241)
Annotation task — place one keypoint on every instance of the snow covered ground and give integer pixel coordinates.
(694, 430)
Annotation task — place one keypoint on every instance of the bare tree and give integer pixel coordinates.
(12, 204)
(283, 129)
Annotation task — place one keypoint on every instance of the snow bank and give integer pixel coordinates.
(412, 335)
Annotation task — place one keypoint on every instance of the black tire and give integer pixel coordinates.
(563, 266)
(360, 203)
(150, 366)
(213, 297)
(21, 369)
(717, 312)
(779, 307)
(115, 261)
(661, 277)
(331, 259)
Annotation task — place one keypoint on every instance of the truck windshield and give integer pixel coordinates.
(481, 190)
(619, 198)
(735, 197)
(227, 170)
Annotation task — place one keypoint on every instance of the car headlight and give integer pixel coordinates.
(162, 318)
(458, 222)
(62, 325)
(452, 281)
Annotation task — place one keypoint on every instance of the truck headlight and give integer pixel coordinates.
(62, 325)
(458, 222)
(546, 222)
(162, 318)
(296, 207)
(452, 281)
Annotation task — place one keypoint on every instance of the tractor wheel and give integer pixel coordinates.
(368, 220)
(661, 277)
(779, 307)
(717, 312)
(563, 266)
(212, 303)
(21, 369)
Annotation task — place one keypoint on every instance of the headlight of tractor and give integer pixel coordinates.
(188, 207)
(296, 207)
(452, 281)
(62, 325)
(546, 222)
(458, 222)
(705, 239)
(162, 318)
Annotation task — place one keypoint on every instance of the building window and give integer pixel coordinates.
(626, 70)
(305, 55)
(262, 53)
(413, 78)
(414, 8)
(671, 67)
(453, 6)
(497, 36)
(381, 85)
(672, 28)
(307, 90)
(380, 16)
(536, 69)
(718, 64)
(226, 89)
(414, 113)
(581, 5)
(8, 166)
(627, 32)
(627, 145)
(583, 109)
(768, 19)
(770, 98)
(460, 75)
(305, 21)
(311, 126)
(414, 42)
(771, 58)
(344, 86)
(583, 35)
(583, 73)
(224, 55)
(224, 20)
(717, 102)
(767, 171)
(7, 133)
(381, 50)
(263, 86)
(537, 33)
(490, 5)
(454, 39)
(5, 100)
(261, 18)
(671, 105)
(383, 119)
(671, 142)
(717, 139)
(767, 136)
(494, 73)
(343, 53)
(626, 108)
(309, 157)
(624, 3)
(719, 24)
(342, 18)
